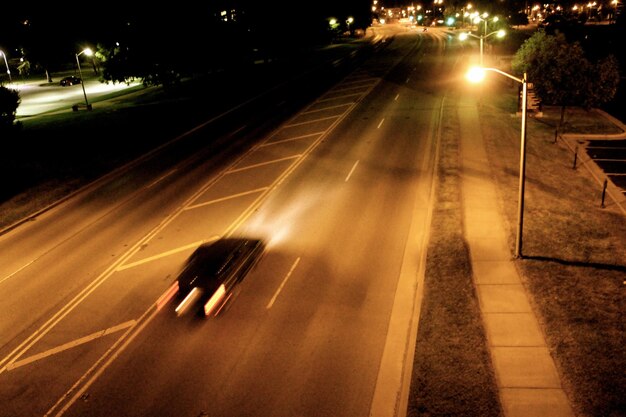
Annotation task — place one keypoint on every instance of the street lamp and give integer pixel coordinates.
(499, 33)
(477, 74)
(87, 52)
(7, 64)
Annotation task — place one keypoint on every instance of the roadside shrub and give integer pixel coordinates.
(9, 101)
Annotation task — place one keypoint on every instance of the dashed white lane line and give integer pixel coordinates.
(381, 123)
(70, 345)
(16, 271)
(282, 284)
(352, 170)
(396, 98)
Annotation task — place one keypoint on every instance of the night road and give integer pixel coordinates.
(322, 326)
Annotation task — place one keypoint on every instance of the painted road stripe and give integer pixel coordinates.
(396, 99)
(161, 178)
(71, 344)
(326, 108)
(164, 254)
(381, 123)
(15, 272)
(308, 122)
(229, 197)
(260, 164)
(292, 139)
(339, 97)
(352, 170)
(282, 284)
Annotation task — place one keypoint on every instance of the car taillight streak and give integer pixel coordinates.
(215, 300)
(167, 296)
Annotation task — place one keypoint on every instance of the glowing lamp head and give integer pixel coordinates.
(475, 74)
(88, 51)
(501, 33)
(463, 36)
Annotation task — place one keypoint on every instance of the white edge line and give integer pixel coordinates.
(282, 284)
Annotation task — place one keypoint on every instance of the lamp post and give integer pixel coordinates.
(476, 74)
(87, 52)
(7, 64)
(499, 33)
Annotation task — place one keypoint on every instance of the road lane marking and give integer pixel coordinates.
(326, 108)
(112, 353)
(161, 178)
(294, 138)
(71, 344)
(396, 99)
(234, 132)
(407, 80)
(282, 284)
(339, 97)
(340, 90)
(120, 345)
(260, 164)
(167, 253)
(308, 122)
(17, 271)
(381, 123)
(391, 391)
(352, 170)
(228, 197)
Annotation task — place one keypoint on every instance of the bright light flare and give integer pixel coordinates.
(189, 301)
(88, 51)
(475, 74)
(501, 33)
(215, 300)
(463, 36)
(167, 296)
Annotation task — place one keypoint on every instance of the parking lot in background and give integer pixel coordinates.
(610, 157)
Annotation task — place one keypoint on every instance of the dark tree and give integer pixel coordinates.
(9, 101)
(563, 76)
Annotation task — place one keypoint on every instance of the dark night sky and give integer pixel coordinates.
(83, 20)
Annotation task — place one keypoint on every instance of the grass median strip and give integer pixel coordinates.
(452, 373)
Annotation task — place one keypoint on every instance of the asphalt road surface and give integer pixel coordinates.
(340, 193)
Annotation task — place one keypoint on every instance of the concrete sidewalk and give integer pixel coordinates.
(527, 378)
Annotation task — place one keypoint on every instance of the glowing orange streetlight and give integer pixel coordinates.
(7, 64)
(499, 33)
(87, 52)
(477, 74)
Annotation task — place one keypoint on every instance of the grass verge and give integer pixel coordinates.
(452, 373)
(574, 264)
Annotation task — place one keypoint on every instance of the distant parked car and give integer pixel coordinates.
(71, 80)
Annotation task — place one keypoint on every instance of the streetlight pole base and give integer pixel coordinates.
(75, 107)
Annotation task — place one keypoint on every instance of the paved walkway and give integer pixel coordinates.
(527, 378)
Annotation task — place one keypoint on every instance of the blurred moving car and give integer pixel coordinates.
(71, 80)
(212, 271)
